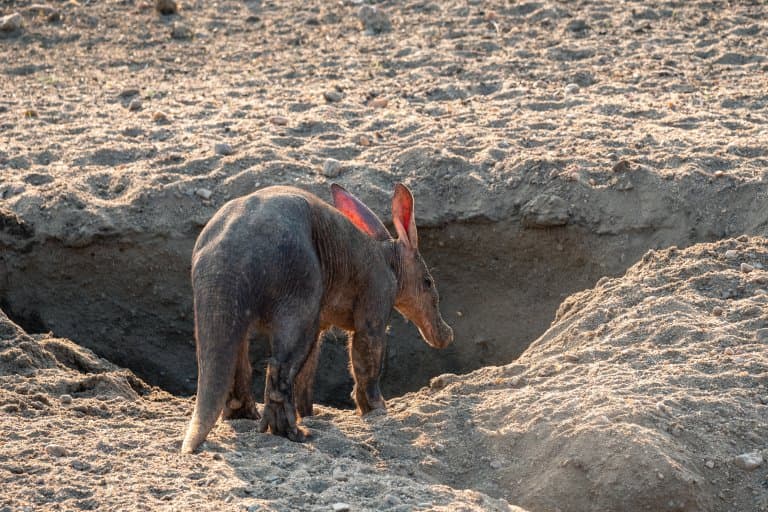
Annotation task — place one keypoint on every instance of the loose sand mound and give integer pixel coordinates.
(641, 396)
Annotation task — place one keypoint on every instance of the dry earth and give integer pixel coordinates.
(548, 144)
(643, 395)
(614, 126)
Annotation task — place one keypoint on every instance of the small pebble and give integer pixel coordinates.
(160, 117)
(128, 93)
(719, 174)
(375, 20)
(333, 96)
(621, 166)
(55, 450)
(572, 89)
(223, 148)
(51, 14)
(80, 465)
(278, 120)
(731, 254)
(392, 500)
(204, 193)
(338, 474)
(717, 311)
(364, 140)
(65, 399)
(743, 238)
(135, 105)
(166, 7)
(746, 268)
(331, 168)
(710, 464)
(181, 31)
(378, 102)
(10, 23)
(495, 464)
(340, 507)
(761, 335)
(748, 461)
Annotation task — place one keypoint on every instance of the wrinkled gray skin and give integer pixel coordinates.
(284, 262)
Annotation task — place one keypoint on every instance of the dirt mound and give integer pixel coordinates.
(81, 434)
(649, 392)
(641, 396)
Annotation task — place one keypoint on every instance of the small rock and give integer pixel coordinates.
(181, 31)
(731, 254)
(331, 168)
(545, 210)
(10, 23)
(338, 474)
(278, 120)
(166, 7)
(495, 464)
(378, 102)
(710, 464)
(746, 268)
(333, 96)
(223, 148)
(621, 166)
(65, 399)
(340, 507)
(743, 238)
(571, 89)
(204, 193)
(748, 461)
(761, 335)
(391, 500)
(128, 93)
(717, 311)
(577, 25)
(55, 450)
(441, 381)
(160, 117)
(80, 465)
(51, 14)
(375, 20)
(719, 174)
(135, 105)
(364, 140)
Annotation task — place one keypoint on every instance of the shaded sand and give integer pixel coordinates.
(639, 397)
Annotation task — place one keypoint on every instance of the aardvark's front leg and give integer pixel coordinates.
(367, 353)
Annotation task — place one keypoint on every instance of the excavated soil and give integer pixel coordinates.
(649, 392)
(548, 144)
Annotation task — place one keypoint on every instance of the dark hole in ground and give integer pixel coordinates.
(129, 300)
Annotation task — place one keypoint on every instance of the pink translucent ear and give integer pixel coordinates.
(360, 215)
(403, 216)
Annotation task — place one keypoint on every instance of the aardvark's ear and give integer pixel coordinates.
(360, 215)
(404, 216)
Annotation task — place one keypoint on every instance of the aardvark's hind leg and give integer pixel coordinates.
(241, 403)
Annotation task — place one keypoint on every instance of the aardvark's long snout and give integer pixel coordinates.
(437, 336)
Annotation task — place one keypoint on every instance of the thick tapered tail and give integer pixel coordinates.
(219, 337)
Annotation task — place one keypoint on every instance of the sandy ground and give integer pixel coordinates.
(649, 392)
(589, 130)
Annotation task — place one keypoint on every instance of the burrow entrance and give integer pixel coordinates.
(129, 300)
